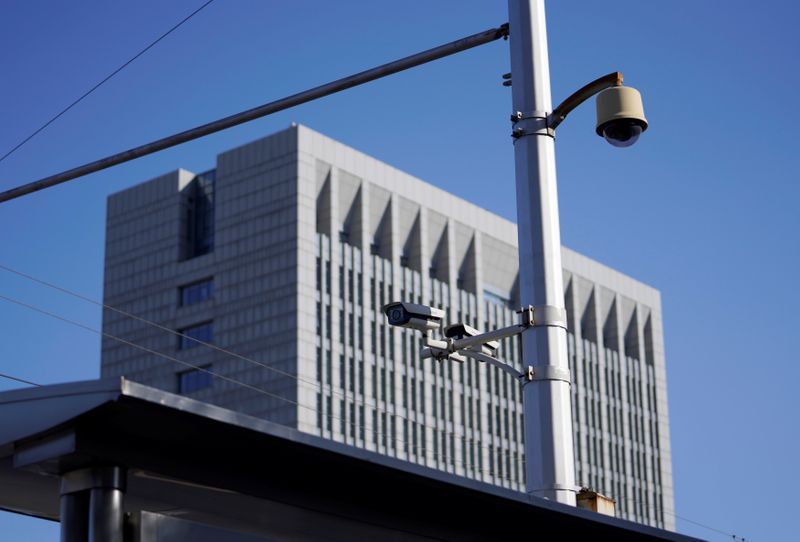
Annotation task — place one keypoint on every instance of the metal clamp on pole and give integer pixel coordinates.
(434, 353)
(547, 372)
(543, 315)
(530, 123)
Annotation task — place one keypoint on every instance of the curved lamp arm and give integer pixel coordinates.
(555, 118)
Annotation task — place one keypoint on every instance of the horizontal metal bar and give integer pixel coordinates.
(492, 361)
(496, 335)
(262, 111)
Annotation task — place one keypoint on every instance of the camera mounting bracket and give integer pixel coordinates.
(531, 123)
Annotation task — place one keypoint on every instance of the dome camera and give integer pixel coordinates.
(620, 115)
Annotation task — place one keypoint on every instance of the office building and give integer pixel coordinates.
(282, 257)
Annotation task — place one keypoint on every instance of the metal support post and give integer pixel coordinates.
(75, 516)
(91, 505)
(549, 462)
(105, 515)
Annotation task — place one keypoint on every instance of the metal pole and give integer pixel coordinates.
(549, 463)
(105, 515)
(91, 504)
(261, 111)
(74, 517)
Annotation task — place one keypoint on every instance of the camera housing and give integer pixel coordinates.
(620, 115)
(411, 315)
(460, 331)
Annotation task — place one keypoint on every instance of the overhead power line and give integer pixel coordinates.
(109, 76)
(261, 111)
(315, 385)
(653, 507)
(420, 449)
(22, 380)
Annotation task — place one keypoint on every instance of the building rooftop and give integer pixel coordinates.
(194, 461)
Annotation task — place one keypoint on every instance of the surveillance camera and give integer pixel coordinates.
(620, 115)
(460, 331)
(419, 317)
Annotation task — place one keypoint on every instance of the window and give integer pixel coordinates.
(198, 216)
(195, 379)
(201, 332)
(196, 292)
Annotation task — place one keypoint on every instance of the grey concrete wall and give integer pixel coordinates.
(254, 268)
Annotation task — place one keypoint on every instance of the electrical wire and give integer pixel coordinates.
(148, 350)
(22, 380)
(443, 458)
(418, 450)
(98, 85)
(654, 508)
(316, 386)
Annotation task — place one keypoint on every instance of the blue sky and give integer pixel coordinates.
(704, 207)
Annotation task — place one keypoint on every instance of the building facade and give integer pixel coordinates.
(281, 259)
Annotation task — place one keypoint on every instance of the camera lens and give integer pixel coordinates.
(395, 316)
(622, 133)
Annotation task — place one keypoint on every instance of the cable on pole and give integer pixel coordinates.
(109, 76)
(261, 111)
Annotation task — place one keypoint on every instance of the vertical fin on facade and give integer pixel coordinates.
(411, 256)
(466, 263)
(589, 313)
(630, 321)
(514, 297)
(349, 207)
(570, 303)
(609, 314)
(438, 241)
(353, 223)
(324, 199)
(610, 330)
(356, 222)
(409, 232)
(468, 269)
(380, 222)
(649, 346)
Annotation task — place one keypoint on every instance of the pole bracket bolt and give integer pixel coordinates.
(530, 123)
(543, 315)
(547, 372)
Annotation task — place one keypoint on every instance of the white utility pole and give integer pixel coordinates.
(549, 462)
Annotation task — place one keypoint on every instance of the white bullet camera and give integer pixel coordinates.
(620, 115)
(419, 317)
